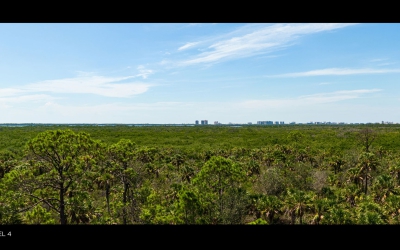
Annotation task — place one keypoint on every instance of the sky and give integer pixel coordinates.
(174, 73)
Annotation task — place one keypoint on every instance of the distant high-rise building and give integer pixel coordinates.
(202, 122)
(206, 122)
(281, 122)
(197, 122)
(276, 123)
(265, 122)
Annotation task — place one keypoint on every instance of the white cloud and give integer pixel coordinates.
(90, 85)
(255, 39)
(97, 85)
(143, 72)
(309, 99)
(338, 71)
(9, 92)
(187, 45)
(114, 107)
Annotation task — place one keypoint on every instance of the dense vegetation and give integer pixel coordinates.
(200, 175)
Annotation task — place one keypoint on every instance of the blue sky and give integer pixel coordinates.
(179, 73)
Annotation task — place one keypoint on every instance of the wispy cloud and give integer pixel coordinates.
(337, 71)
(337, 95)
(378, 59)
(116, 107)
(253, 40)
(96, 85)
(309, 99)
(381, 62)
(187, 45)
(143, 72)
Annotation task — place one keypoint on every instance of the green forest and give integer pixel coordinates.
(283, 174)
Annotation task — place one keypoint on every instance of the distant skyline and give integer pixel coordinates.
(178, 73)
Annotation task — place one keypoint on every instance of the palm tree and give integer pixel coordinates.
(297, 204)
(381, 152)
(319, 207)
(187, 173)
(177, 160)
(383, 187)
(121, 164)
(392, 208)
(104, 180)
(395, 171)
(268, 159)
(369, 212)
(351, 193)
(367, 164)
(336, 163)
(269, 206)
(337, 215)
(354, 176)
(366, 137)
